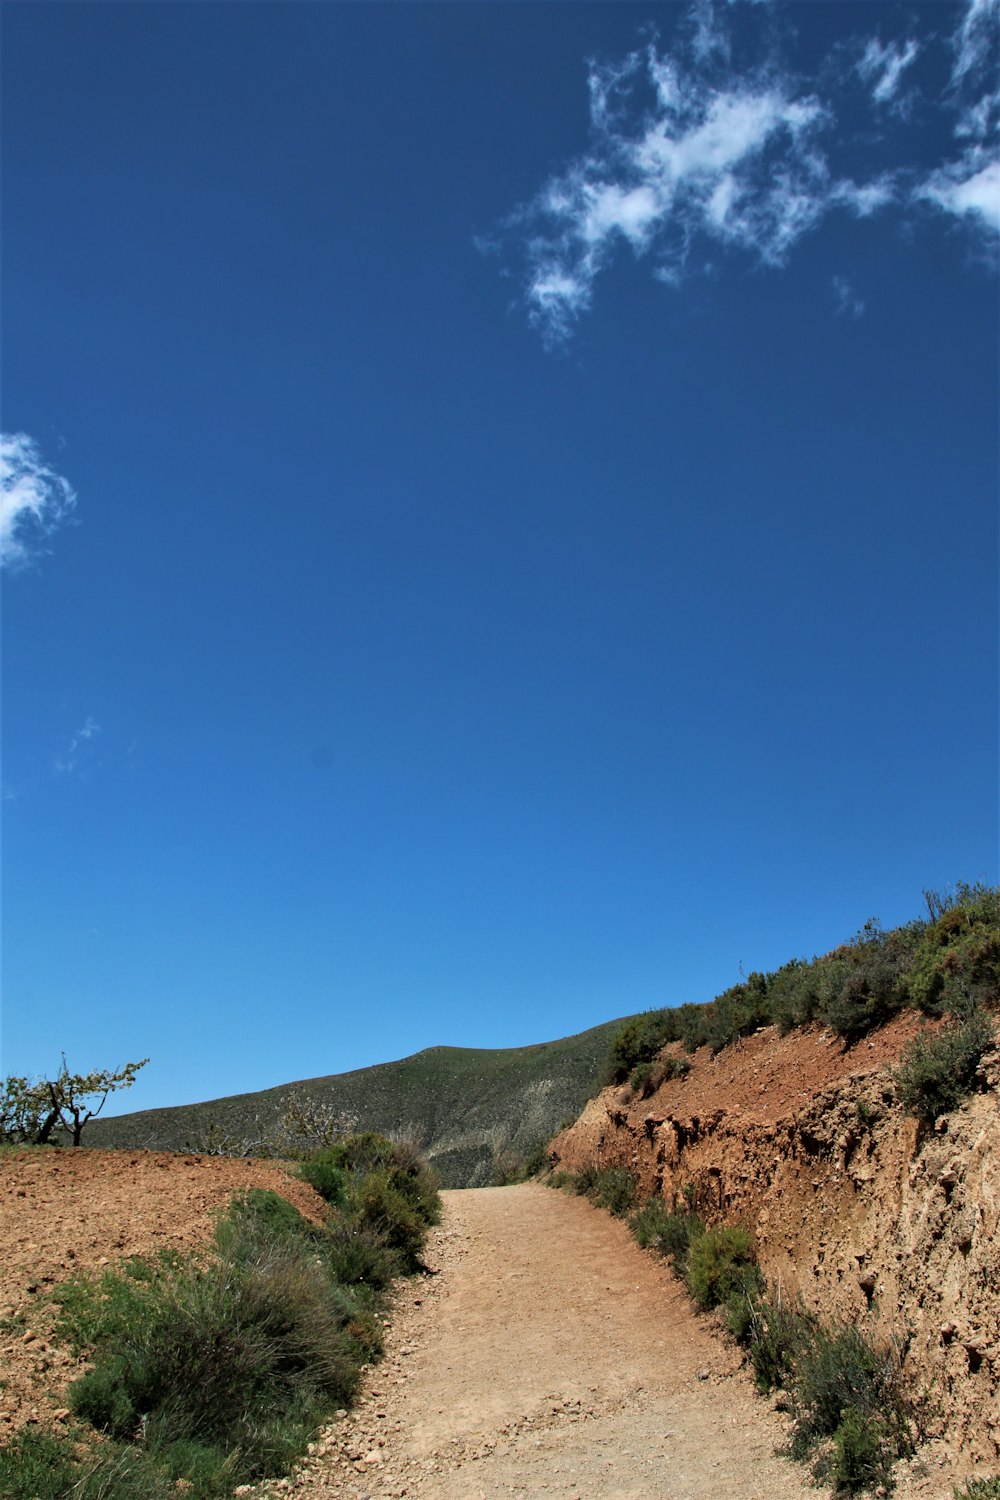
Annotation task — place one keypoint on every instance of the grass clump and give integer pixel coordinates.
(668, 1232)
(216, 1371)
(36, 1465)
(720, 1264)
(979, 1489)
(847, 1394)
(773, 1333)
(616, 1190)
(937, 1071)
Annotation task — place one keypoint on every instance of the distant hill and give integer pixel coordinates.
(473, 1111)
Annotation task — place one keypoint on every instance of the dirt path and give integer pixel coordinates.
(550, 1355)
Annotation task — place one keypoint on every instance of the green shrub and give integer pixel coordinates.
(846, 1389)
(242, 1357)
(641, 1080)
(957, 964)
(669, 1233)
(936, 1072)
(637, 1042)
(793, 994)
(359, 1257)
(737, 1012)
(329, 1180)
(773, 1334)
(376, 1204)
(397, 1162)
(616, 1190)
(864, 983)
(717, 1264)
(647, 1077)
(692, 1025)
(979, 1489)
(261, 1214)
(586, 1181)
(860, 1459)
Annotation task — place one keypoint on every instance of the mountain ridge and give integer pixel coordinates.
(475, 1112)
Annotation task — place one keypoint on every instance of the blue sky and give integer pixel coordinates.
(500, 514)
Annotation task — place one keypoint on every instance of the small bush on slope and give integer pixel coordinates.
(670, 1234)
(638, 1042)
(616, 1191)
(718, 1264)
(936, 1071)
(226, 1368)
(845, 1389)
(947, 964)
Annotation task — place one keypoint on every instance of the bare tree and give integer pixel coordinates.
(32, 1109)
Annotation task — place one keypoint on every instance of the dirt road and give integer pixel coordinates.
(550, 1356)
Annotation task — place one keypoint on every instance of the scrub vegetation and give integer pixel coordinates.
(946, 965)
(844, 1391)
(208, 1372)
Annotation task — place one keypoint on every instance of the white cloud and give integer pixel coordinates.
(687, 153)
(34, 499)
(967, 190)
(976, 37)
(735, 161)
(883, 66)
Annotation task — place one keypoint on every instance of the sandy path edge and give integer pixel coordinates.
(550, 1355)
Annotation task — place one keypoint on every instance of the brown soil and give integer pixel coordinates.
(548, 1354)
(854, 1209)
(67, 1210)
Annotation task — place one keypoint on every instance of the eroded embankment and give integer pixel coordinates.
(853, 1208)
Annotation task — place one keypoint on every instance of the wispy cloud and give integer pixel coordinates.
(34, 500)
(686, 153)
(849, 304)
(882, 66)
(967, 189)
(66, 763)
(736, 162)
(976, 37)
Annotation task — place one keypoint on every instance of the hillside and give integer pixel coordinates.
(472, 1111)
(853, 1206)
(843, 1112)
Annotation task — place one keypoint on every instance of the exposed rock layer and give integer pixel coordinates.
(853, 1207)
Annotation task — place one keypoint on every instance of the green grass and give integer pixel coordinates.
(216, 1371)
